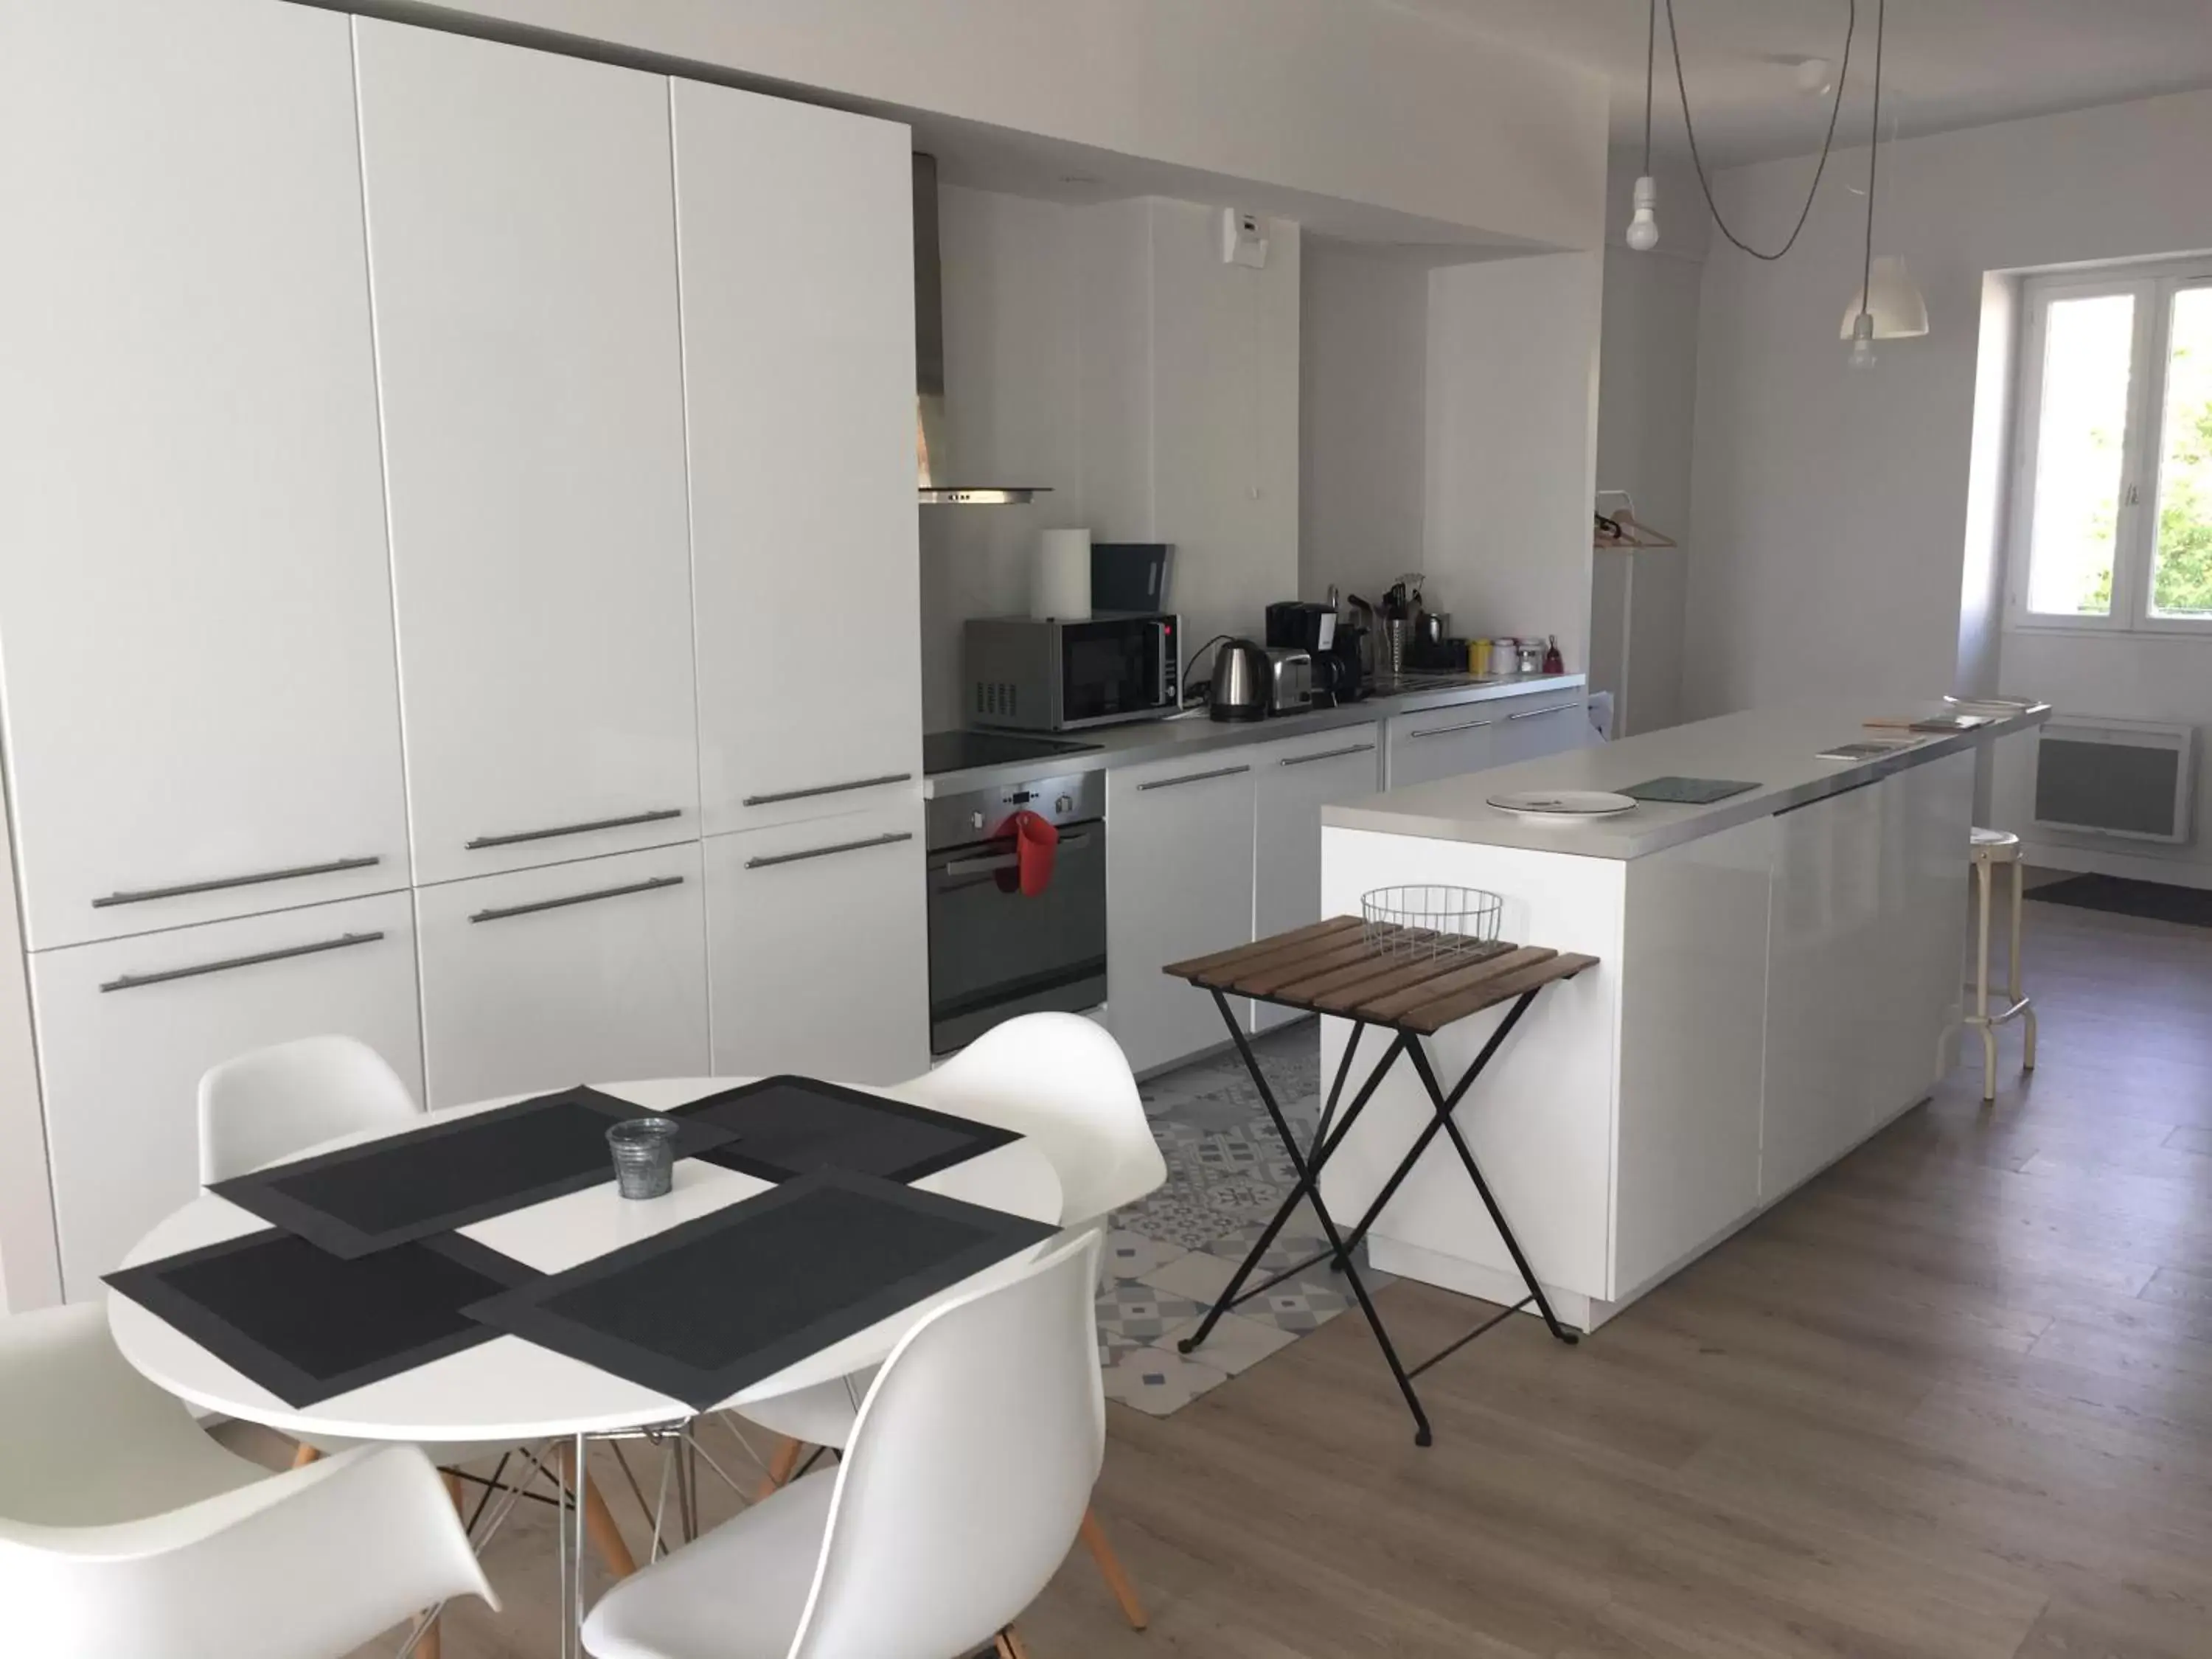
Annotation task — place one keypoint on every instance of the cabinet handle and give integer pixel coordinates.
(825, 789)
(1194, 777)
(1442, 731)
(1531, 714)
(825, 851)
(132, 982)
(506, 910)
(139, 896)
(655, 817)
(1329, 754)
(994, 862)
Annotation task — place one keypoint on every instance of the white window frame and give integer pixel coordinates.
(2134, 535)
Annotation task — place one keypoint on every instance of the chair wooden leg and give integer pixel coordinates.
(1109, 1564)
(303, 1454)
(1009, 1644)
(599, 1520)
(780, 1463)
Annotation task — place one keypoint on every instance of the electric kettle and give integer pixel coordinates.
(1244, 682)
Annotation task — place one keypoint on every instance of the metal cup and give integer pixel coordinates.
(644, 1150)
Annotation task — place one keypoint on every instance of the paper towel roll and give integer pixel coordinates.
(1060, 584)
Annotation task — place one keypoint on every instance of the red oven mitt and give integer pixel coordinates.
(1036, 842)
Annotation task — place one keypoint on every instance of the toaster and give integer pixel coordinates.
(1290, 680)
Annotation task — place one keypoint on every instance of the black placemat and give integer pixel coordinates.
(1687, 792)
(707, 1308)
(305, 1324)
(781, 1127)
(449, 1173)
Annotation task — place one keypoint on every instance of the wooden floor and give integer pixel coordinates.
(1953, 1399)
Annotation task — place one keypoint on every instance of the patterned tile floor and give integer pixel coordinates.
(1171, 1255)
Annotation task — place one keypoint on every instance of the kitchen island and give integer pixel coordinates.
(1779, 976)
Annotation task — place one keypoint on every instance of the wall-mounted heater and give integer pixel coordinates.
(2133, 779)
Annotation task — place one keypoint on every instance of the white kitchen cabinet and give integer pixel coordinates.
(1179, 867)
(125, 1028)
(817, 940)
(589, 972)
(1440, 743)
(522, 267)
(1542, 723)
(1293, 781)
(1827, 916)
(195, 612)
(794, 232)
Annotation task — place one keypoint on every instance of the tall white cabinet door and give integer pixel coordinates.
(127, 1026)
(195, 609)
(1178, 885)
(590, 972)
(522, 266)
(794, 227)
(1441, 743)
(1294, 781)
(818, 938)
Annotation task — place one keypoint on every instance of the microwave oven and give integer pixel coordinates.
(1044, 674)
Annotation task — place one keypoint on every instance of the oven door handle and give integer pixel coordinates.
(991, 864)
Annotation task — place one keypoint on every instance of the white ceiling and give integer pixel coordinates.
(1946, 63)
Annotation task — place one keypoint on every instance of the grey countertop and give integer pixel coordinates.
(1778, 750)
(1192, 734)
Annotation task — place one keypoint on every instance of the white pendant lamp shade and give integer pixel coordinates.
(1893, 299)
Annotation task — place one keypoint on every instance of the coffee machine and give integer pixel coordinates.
(1334, 646)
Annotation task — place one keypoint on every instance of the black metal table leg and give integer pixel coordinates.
(1429, 1133)
(1307, 1181)
(1418, 1053)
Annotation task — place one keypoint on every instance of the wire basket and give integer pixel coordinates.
(1431, 921)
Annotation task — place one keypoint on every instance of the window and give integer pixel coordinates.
(2112, 512)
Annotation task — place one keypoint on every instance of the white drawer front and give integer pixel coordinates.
(817, 933)
(126, 1027)
(590, 972)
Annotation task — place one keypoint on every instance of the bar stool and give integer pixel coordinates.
(1990, 847)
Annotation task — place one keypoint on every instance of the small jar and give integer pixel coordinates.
(1478, 657)
(1501, 658)
(1530, 653)
(644, 1153)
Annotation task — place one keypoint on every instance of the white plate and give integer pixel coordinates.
(1563, 804)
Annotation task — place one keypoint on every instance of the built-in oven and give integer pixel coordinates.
(1043, 674)
(994, 951)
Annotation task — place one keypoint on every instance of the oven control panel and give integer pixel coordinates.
(983, 814)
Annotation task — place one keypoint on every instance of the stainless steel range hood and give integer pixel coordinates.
(939, 484)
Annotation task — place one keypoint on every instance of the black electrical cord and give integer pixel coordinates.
(1874, 153)
(1650, 58)
(1843, 80)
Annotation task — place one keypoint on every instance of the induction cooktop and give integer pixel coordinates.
(956, 752)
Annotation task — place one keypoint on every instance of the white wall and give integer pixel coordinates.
(1647, 403)
(1511, 446)
(1342, 99)
(1832, 508)
(1108, 353)
(1363, 419)
(1014, 414)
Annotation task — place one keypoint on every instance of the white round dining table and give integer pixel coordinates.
(508, 1390)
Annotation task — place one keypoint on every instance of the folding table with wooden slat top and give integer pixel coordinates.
(1411, 984)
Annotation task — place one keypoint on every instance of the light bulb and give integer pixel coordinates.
(1862, 342)
(1643, 226)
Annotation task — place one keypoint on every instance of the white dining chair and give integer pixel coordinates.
(125, 1531)
(1063, 1081)
(968, 1469)
(267, 1104)
(272, 1102)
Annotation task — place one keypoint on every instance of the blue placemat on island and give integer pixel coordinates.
(1687, 792)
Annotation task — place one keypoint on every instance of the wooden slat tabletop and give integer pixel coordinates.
(1388, 976)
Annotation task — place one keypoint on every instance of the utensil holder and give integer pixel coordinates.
(644, 1151)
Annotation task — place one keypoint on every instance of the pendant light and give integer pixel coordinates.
(1643, 225)
(1887, 306)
